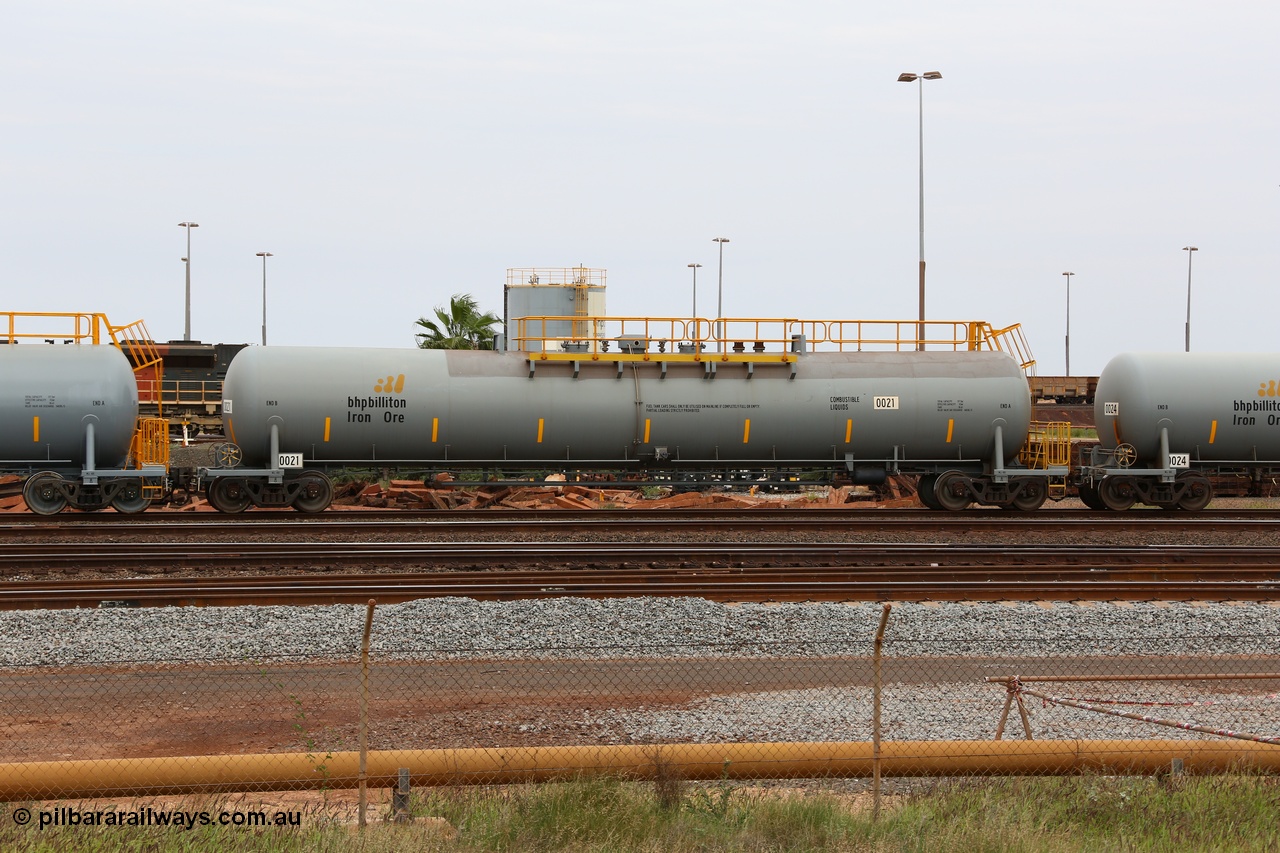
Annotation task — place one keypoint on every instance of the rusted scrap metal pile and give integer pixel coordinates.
(410, 494)
(447, 495)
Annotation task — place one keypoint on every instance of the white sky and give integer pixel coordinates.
(391, 154)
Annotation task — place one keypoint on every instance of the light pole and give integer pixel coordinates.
(264, 256)
(720, 296)
(907, 77)
(186, 329)
(695, 268)
(1189, 250)
(1068, 275)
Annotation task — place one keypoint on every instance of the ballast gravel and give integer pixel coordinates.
(451, 628)
(648, 628)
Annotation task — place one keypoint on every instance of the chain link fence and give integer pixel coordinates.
(1145, 697)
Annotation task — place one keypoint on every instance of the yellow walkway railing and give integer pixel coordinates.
(740, 339)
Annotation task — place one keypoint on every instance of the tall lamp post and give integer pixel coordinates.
(186, 329)
(264, 256)
(1068, 275)
(1189, 250)
(694, 315)
(720, 296)
(907, 77)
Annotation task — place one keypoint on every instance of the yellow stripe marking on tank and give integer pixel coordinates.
(231, 430)
(540, 421)
(326, 429)
(1115, 428)
(848, 431)
(1213, 431)
(35, 428)
(646, 430)
(435, 429)
(951, 428)
(746, 430)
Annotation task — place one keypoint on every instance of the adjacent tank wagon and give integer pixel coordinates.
(293, 413)
(1169, 421)
(68, 420)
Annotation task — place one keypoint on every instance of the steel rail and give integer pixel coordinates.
(153, 524)
(124, 555)
(742, 586)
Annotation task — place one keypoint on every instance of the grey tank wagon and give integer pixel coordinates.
(291, 414)
(67, 419)
(1167, 422)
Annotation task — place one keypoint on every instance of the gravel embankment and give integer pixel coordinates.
(1107, 637)
(635, 627)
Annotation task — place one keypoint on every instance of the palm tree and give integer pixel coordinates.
(461, 327)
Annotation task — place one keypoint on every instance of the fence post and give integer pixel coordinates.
(364, 710)
(400, 798)
(875, 714)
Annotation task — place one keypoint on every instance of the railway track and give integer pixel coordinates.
(275, 558)
(744, 584)
(17, 558)
(561, 522)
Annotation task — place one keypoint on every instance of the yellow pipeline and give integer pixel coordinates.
(295, 771)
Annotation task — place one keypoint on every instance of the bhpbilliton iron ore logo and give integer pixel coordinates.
(390, 385)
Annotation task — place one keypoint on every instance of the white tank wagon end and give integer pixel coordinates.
(68, 416)
(1167, 422)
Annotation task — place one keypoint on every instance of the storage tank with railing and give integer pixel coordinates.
(562, 298)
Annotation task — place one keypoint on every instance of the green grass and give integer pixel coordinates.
(1221, 813)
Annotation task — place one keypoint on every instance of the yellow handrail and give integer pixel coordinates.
(132, 339)
(753, 339)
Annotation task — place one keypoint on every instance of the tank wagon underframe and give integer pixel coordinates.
(55, 484)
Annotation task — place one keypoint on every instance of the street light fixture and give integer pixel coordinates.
(1189, 250)
(907, 77)
(264, 256)
(1068, 275)
(186, 329)
(720, 296)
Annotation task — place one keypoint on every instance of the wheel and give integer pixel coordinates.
(1089, 496)
(1198, 494)
(1125, 455)
(315, 492)
(1032, 496)
(951, 491)
(1116, 493)
(924, 491)
(229, 495)
(43, 493)
(130, 499)
(227, 455)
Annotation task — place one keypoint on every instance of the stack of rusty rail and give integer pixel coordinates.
(11, 494)
(414, 494)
